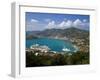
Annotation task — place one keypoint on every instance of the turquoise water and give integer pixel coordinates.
(53, 44)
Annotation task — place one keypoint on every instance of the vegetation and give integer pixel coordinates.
(79, 38)
(28, 37)
(33, 60)
(69, 33)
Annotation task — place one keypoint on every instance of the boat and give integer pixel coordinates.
(42, 48)
(34, 46)
(65, 49)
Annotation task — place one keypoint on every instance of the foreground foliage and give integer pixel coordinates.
(78, 58)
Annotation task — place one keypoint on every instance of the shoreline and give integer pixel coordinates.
(73, 45)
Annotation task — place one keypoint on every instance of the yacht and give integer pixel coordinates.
(65, 49)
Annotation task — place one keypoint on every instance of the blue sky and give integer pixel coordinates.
(41, 21)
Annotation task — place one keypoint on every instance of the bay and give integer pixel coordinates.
(54, 44)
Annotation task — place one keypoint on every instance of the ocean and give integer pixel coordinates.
(54, 44)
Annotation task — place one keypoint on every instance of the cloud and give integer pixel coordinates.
(69, 23)
(34, 25)
(77, 23)
(62, 24)
(84, 20)
(30, 24)
(81, 24)
(51, 24)
(65, 24)
(84, 24)
(34, 20)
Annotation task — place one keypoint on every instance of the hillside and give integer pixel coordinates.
(78, 37)
(69, 33)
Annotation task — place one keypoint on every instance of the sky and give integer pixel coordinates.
(41, 21)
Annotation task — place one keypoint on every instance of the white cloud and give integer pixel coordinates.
(34, 20)
(81, 24)
(68, 23)
(65, 24)
(62, 24)
(51, 24)
(77, 23)
(84, 20)
(34, 24)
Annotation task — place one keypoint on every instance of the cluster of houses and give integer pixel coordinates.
(81, 44)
